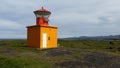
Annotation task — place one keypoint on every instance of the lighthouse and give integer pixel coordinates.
(42, 35)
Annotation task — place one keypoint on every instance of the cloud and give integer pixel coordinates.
(73, 17)
(11, 29)
(11, 25)
(12, 34)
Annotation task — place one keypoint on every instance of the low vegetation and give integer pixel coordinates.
(70, 54)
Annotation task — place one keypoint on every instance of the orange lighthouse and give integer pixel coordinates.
(42, 35)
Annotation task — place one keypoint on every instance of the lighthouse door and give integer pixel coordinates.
(44, 40)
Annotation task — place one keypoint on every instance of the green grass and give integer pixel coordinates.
(9, 62)
(15, 54)
(92, 44)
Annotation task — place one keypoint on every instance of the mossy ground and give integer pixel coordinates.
(70, 54)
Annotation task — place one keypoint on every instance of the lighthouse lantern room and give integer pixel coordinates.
(42, 35)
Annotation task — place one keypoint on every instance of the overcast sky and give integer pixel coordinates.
(73, 17)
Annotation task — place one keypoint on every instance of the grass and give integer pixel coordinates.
(106, 45)
(9, 62)
(70, 54)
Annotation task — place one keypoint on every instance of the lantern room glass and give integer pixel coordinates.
(45, 15)
(42, 14)
(37, 15)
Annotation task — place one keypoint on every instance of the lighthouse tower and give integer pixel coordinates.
(42, 35)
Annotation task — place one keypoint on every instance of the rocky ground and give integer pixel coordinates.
(84, 59)
(62, 57)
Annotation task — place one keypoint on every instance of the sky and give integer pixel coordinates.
(74, 18)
